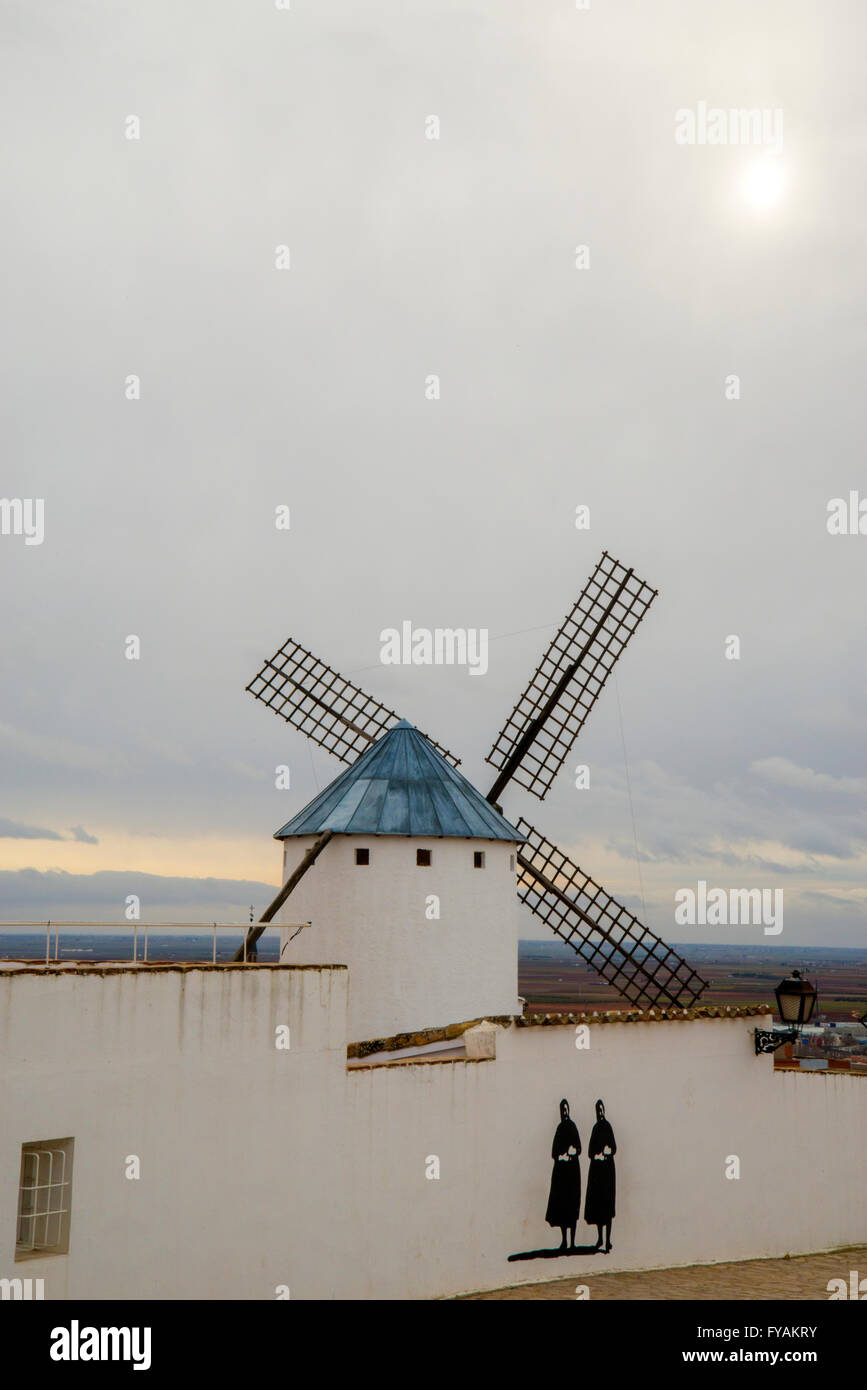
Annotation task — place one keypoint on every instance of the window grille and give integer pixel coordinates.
(44, 1198)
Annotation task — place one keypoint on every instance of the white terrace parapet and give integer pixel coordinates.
(266, 1162)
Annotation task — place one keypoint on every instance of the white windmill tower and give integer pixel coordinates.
(416, 893)
(379, 805)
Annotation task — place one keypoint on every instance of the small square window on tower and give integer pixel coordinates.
(478, 858)
(362, 856)
(44, 1198)
(422, 856)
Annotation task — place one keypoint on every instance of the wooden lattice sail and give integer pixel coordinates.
(539, 734)
(632, 958)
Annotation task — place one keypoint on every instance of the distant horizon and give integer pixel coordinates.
(203, 928)
(34, 895)
(739, 948)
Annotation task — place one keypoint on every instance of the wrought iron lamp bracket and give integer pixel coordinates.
(770, 1041)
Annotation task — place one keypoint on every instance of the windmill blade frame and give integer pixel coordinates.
(628, 955)
(542, 728)
(329, 709)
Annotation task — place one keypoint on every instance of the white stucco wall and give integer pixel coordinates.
(238, 1174)
(406, 970)
(681, 1098)
(262, 1167)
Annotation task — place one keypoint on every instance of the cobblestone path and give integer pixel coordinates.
(802, 1276)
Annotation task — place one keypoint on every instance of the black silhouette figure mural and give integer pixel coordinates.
(564, 1198)
(601, 1179)
(564, 1195)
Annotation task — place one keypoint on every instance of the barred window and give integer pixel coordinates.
(44, 1198)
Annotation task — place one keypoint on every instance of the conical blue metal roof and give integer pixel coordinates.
(401, 786)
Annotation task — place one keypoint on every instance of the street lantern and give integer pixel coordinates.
(796, 1001)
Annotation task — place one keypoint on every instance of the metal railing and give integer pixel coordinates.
(137, 930)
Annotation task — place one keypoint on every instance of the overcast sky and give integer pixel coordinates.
(603, 386)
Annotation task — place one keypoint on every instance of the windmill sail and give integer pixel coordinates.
(325, 706)
(639, 964)
(539, 733)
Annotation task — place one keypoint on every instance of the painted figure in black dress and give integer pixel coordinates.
(601, 1178)
(564, 1198)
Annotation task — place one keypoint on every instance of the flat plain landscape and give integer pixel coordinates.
(552, 977)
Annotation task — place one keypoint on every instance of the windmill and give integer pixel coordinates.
(529, 750)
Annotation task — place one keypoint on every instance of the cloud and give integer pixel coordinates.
(79, 833)
(80, 755)
(773, 814)
(784, 773)
(856, 900)
(102, 896)
(424, 280)
(12, 830)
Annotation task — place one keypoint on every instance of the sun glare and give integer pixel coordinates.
(764, 183)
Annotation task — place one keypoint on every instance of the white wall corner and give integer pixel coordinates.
(481, 1039)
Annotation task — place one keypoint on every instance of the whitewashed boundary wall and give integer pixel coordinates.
(241, 1172)
(682, 1098)
(262, 1167)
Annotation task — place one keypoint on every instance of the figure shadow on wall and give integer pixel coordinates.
(564, 1196)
